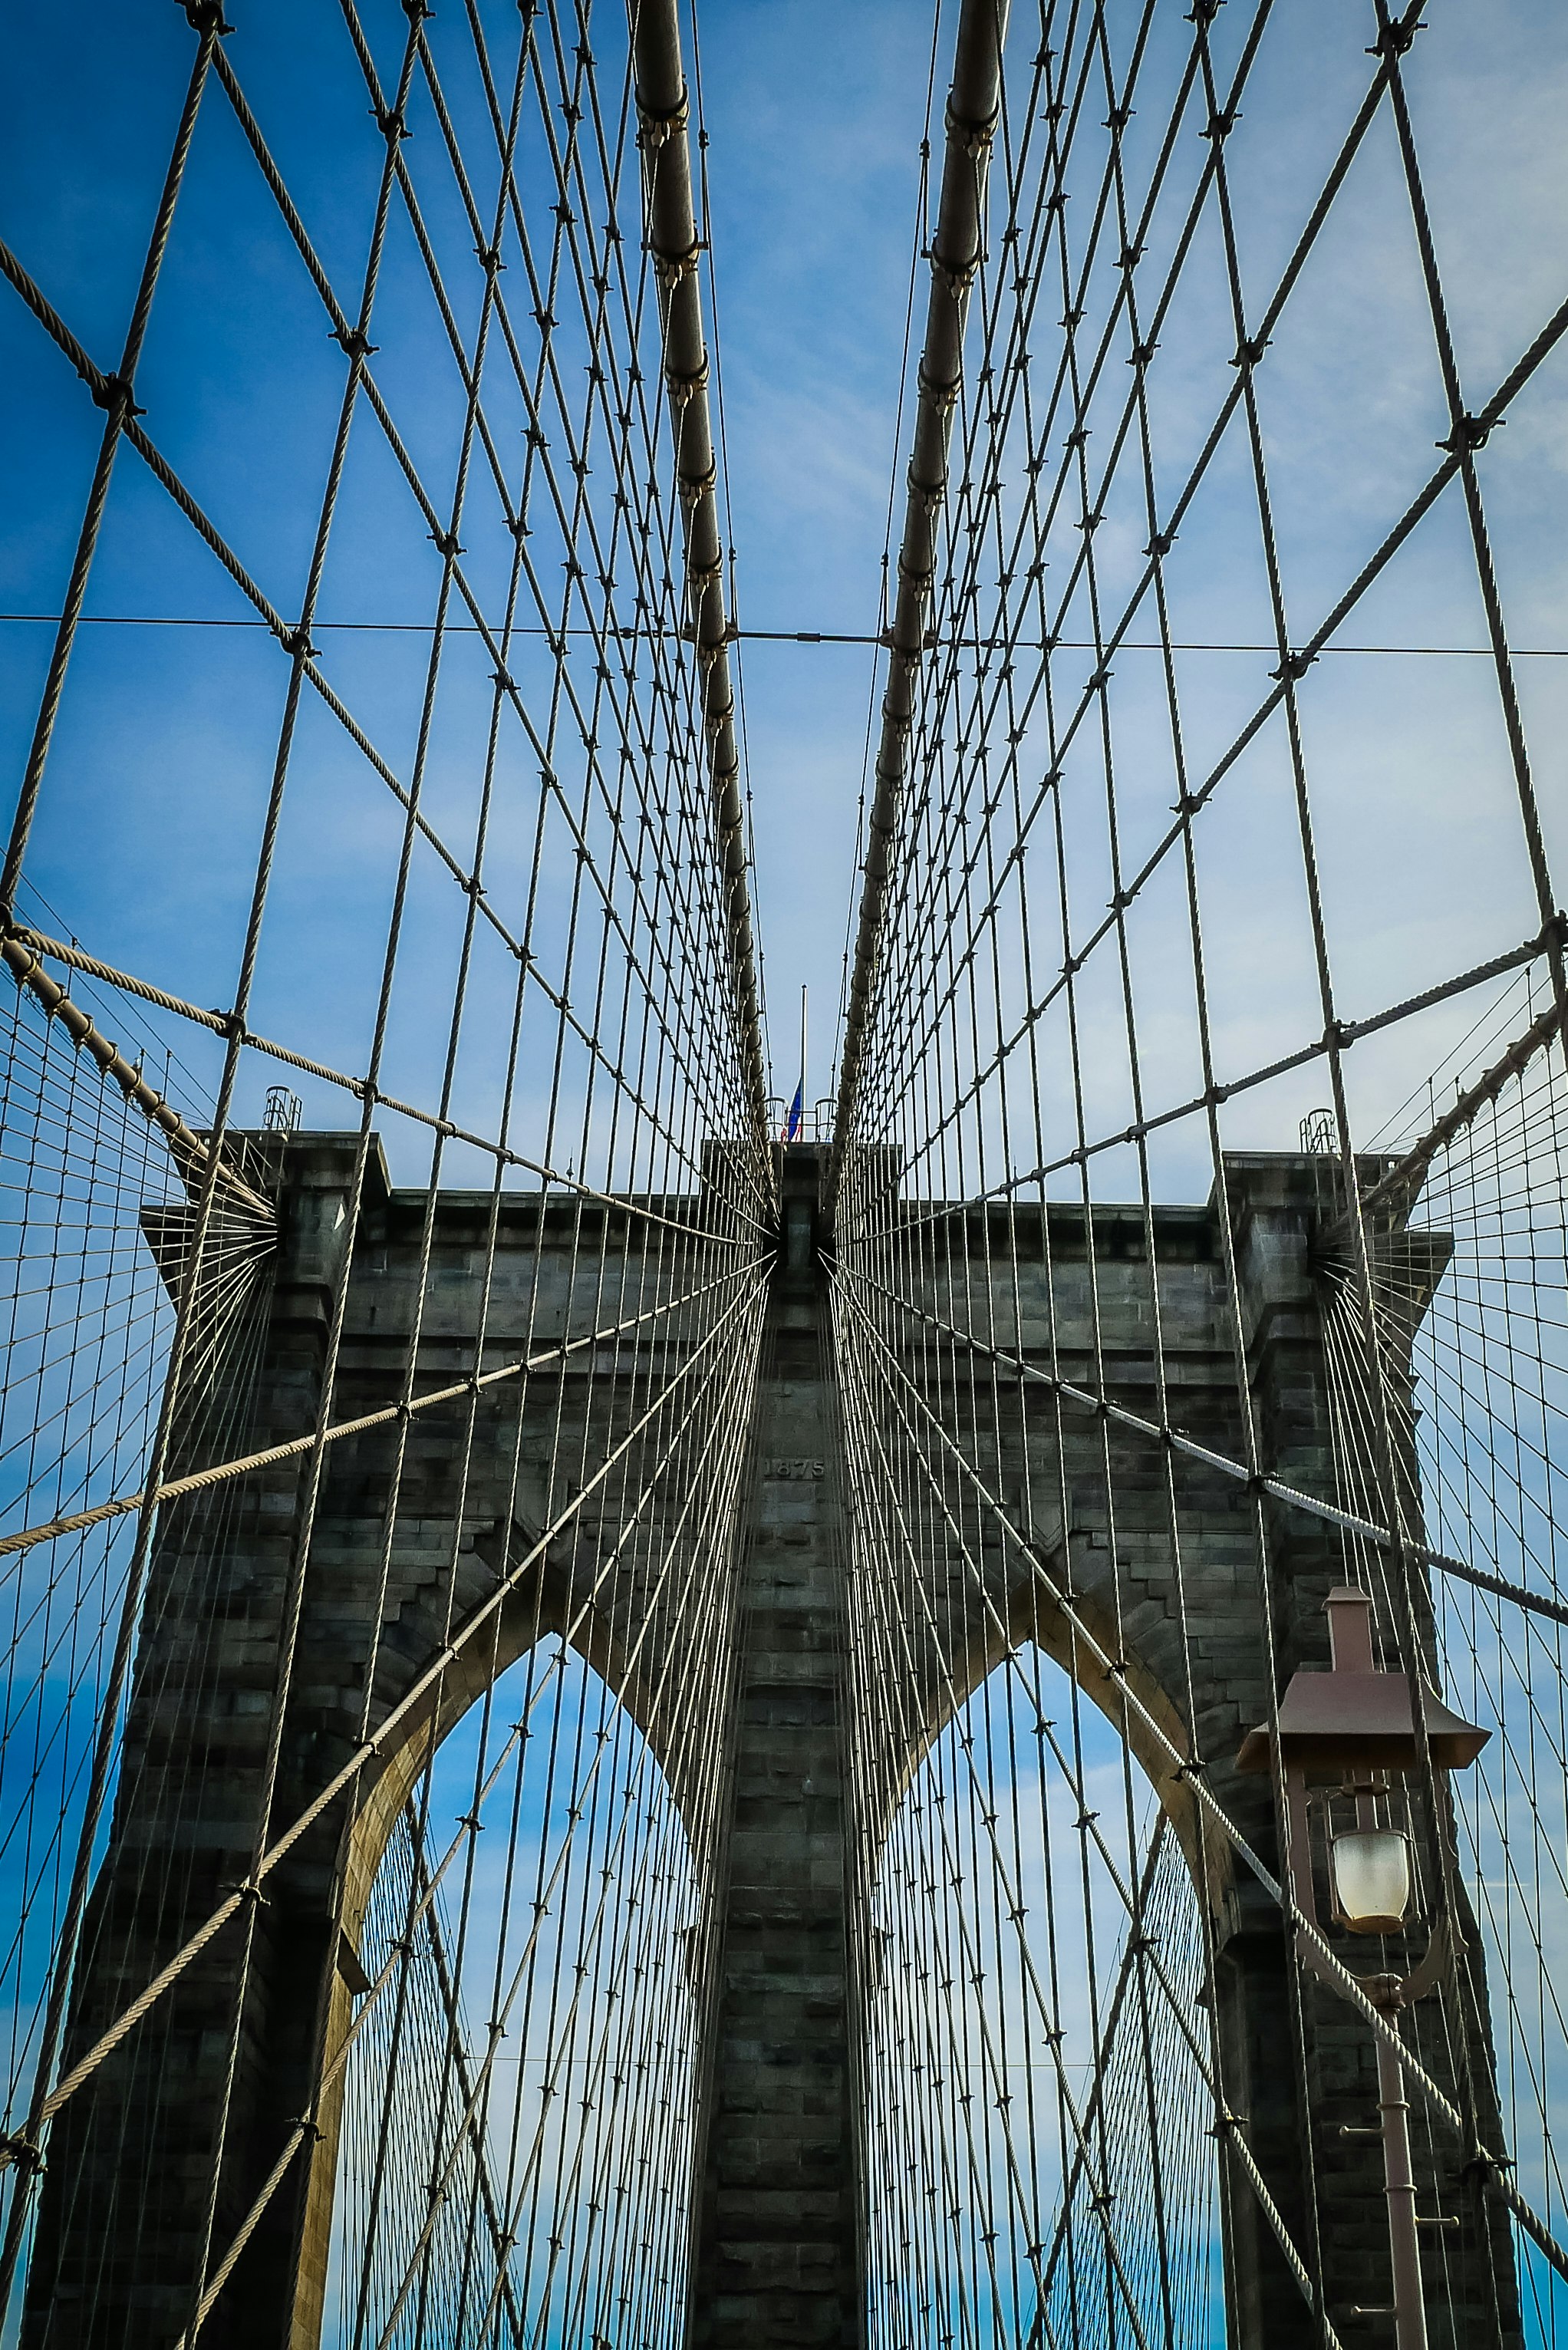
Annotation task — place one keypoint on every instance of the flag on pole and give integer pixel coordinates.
(794, 1124)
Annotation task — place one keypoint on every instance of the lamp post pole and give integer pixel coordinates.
(1399, 2186)
(1355, 1724)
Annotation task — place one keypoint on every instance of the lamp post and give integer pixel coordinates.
(1350, 1731)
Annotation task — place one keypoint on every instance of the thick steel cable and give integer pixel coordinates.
(663, 112)
(938, 957)
(878, 1472)
(282, 1843)
(672, 1024)
(973, 108)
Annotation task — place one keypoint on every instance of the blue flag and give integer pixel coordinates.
(796, 1117)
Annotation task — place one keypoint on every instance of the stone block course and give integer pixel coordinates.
(778, 2223)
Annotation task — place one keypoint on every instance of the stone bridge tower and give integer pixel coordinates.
(778, 2220)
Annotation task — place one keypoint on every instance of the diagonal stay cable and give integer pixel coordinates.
(226, 1024)
(1313, 1951)
(1162, 539)
(1226, 2120)
(457, 2047)
(191, 1153)
(670, 242)
(302, 2130)
(1195, 799)
(1215, 1094)
(371, 1749)
(303, 653)
(220, 1473)
(479, 2083)
(1160, 1432)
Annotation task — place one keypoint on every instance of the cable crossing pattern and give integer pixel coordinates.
(619, 1732)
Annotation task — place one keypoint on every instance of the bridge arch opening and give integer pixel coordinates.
(1039, 2154)
(506, 2149)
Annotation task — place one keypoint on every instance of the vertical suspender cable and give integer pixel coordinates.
(974, 105)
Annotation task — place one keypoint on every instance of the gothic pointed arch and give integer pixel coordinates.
(1036, 1962)
(568, 1934)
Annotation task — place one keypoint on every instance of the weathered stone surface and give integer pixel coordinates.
(777, 2215)
(778, 2236)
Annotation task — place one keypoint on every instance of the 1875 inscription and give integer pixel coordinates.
(780, 1467)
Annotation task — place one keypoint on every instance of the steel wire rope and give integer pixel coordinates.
(1052, 2034)
(278, 627)
(1315, 1952)
(1353, 1388)
(300, 2131)
(964, 1372)
(1385, 1466)
(563, 169)
(1342, 165)
(350, 1771)
(1073, 1771)
(52, 1178)
(208, 1191)
(1027, 284)
(1500, 1429)
(621, 1875)
(735, 632)
(490, 1260)
(111, 1725)
(714, 1552)
(920, 246)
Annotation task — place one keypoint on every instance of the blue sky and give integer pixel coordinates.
(167, 736)
(815, 115)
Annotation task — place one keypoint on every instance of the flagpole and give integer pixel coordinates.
(802, 1059)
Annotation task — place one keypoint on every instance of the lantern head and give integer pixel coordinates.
(1369, 1870)
(1341, 1724)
